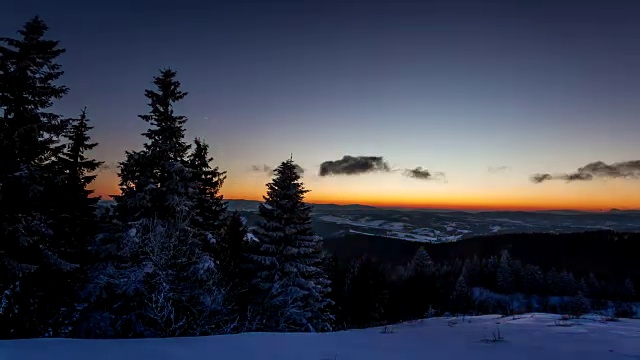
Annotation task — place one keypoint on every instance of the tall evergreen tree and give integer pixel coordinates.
(568, 284)
(628, 290)
(419, 285)
(534, 279)
(77, 207)
(156, 181)
(233, 250)
(76, 221)
(365, 295)
(29, 144)
(593, 286)
(504, 274)
(421, 264)
(161, 281)
(553, 282)
(210, 206)
(461, 296)
(293, 283)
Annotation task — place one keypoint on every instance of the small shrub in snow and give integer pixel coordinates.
(579, 306)
(605, 319)
(388, 329)
(566, 317)
(623, 310)
(430, 313)
(496, 336)
(563, 323)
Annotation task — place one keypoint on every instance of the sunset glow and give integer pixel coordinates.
(620, 194)
(484, 95)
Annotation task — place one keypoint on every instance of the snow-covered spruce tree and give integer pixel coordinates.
(534, 280)
(159, 281)
(156, 180)
(569, 284)
(579, 305)
(30, 254)
(593, 287)
(364, 298)
(461, 297)
(421, 263)
(209, 205)
(628, 291)
(293, 285)
(75, 222)
(419, 284)
(77, 207)
(504, 275)
(233, 250)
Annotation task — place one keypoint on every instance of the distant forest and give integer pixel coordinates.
(169, 259)
(400, 280)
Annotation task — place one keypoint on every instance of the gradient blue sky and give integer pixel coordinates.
(453, 86)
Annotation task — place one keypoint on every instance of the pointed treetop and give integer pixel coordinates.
(286, 186)
(166, 94)
(79, 143)
(167, 130)
(421, 263)
(34, 28)
(168, 86)
(288, 169)
(34, 56)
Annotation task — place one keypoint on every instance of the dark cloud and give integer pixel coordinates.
(578, 176)
(262, 168)
(269, 170)
(422, 174)
(597, 169)
(354, 165)
(538, 178)
(498, 169)
(625, 169)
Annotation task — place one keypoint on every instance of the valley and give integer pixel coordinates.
(438, 226)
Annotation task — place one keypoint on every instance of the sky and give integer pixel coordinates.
(482, 94)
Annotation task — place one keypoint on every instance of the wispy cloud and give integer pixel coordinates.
(498, 169)
(422, 174)
(591, 171)
(354, 165)
(262, 168)
(266, 169)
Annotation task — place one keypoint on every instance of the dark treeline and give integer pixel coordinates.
(604, 252)
(169, 259)
(399, 280)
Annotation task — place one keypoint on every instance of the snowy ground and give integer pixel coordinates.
(532, 336)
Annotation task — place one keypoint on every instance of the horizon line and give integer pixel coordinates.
(457, 208)
(446, 207)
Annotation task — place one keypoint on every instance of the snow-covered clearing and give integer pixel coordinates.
(397, 230)
(511, 221)
(531, 336)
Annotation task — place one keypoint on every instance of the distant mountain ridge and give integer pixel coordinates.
(252, 205)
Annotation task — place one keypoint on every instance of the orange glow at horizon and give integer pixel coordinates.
(552, 198)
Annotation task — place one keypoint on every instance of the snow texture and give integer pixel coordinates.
(530, 336)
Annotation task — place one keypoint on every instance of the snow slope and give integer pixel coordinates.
(531, 336)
